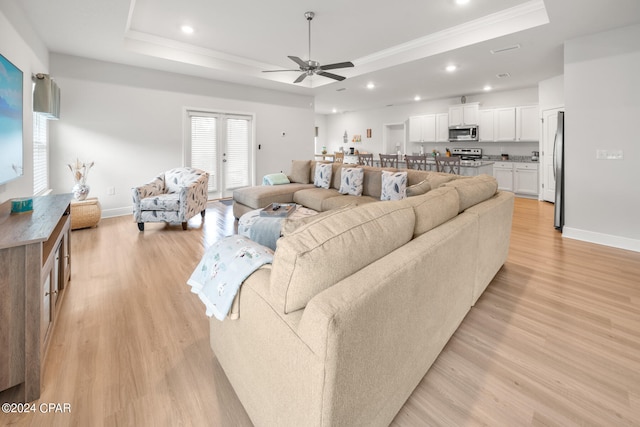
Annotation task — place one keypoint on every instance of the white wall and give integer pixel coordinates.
(602, 104)
(26, 52)
(357, 123)
(130, 122)
(551, 93)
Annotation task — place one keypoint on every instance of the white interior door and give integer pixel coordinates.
(221, 145)
(549, 127)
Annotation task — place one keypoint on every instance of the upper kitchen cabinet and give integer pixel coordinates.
(527, 123)
(509, 124)
(422, 128)
(464, 114)
(486, 125)
(505, 124)
(442, 127)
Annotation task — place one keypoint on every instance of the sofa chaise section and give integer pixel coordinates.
(349, 350)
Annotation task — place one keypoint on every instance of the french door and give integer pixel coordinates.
(221, 144)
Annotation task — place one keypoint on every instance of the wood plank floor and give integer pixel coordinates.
(553, 341)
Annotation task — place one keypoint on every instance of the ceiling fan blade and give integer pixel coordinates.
(301, 77)
(298, 61)
(336, 65)
(331, 76)
(276, 71)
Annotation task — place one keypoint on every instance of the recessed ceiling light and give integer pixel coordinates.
(187, 29)
(370, 85)
(451, 68)
(462, 1)
(417, 98)
(487, 88)
(335, 110)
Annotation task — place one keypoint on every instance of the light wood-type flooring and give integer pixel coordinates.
(553, 341)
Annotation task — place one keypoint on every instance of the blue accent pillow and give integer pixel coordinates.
(351, 181)
(322, 177)
(394, 185)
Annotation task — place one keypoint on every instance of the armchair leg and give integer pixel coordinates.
(141, 226)
(203, 212)
(184, 225)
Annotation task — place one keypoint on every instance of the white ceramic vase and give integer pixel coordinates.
(80, 191)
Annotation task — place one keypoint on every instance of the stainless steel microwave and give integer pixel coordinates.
(463, 133)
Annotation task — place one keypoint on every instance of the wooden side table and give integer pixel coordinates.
(85, 213)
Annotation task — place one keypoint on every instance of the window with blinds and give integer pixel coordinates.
(221, 145)
(40, 157)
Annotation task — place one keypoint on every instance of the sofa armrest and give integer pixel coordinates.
(385, 325)
(194, 197)
(150, 189)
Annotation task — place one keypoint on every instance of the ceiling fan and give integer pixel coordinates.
(310, 67)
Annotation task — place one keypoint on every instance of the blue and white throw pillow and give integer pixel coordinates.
(351, 181)
(394, 185)
(322, 177)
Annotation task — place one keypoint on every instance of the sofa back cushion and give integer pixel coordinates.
(300, 171)
(318, 255)
(473, 190)
(434, 208)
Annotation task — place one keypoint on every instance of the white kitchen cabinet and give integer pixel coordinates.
(442, 127)
(525, 178)
(486, 125)
(503, 173)
(509, 124)
(422, 128)
(527, 123)
(464, 114)
(505, 124)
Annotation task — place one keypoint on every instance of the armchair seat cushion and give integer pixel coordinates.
(161, 202)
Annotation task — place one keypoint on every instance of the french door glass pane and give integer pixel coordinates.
(204, 147)
(237, 165)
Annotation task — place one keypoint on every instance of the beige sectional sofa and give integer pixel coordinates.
(302, 191)
(359, 302)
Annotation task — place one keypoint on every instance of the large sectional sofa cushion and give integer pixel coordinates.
(347, 348)
(302, 191)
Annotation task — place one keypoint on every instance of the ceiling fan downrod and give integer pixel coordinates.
(309, 16)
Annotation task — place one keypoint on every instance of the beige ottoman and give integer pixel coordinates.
(85, 213)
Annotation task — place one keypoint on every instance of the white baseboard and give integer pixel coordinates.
(110, 213)
(601, 239)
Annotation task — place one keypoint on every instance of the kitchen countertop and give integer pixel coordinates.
(513, 159)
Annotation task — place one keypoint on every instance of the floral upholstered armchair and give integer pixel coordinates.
(174, 196)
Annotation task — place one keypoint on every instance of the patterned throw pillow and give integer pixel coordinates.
(394, 185)
(351, 181)
(322, 177)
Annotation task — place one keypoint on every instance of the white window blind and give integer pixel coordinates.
(238, 146)
(40, 157)
(204, 147)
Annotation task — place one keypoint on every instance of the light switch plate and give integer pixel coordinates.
(609, 155)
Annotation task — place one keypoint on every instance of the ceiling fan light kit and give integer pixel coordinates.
(310, 67)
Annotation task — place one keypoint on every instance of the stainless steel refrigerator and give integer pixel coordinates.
(558, 172)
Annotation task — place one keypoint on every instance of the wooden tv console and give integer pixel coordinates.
(35, 268)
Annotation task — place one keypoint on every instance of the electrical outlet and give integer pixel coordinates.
(111, 191)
